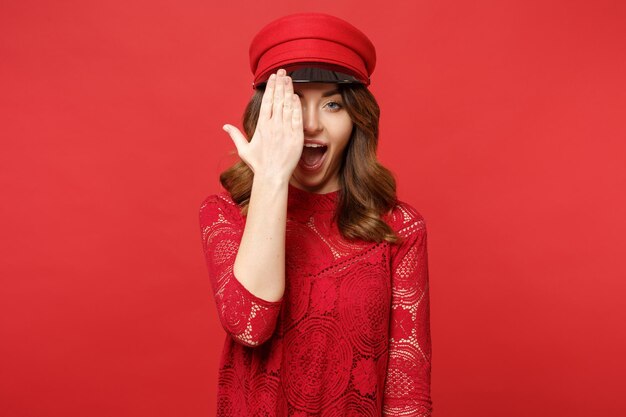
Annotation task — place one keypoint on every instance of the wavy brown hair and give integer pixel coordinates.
(368, 189)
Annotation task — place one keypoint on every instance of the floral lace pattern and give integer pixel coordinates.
(351, 334)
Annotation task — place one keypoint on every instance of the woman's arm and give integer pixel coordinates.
(260, 262)
(272, 154)
(246, 256)
(248, 319)
(407, 387)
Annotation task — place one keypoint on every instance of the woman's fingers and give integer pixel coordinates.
(287, 104)
(268, 98)
(296, 115)
(279, 91)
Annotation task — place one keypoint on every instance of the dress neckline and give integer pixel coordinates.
(306, 200)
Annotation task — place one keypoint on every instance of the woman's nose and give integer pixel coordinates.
(310, 120)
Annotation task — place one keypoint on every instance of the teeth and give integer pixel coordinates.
(314, 145)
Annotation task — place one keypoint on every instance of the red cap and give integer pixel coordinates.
(315, 38)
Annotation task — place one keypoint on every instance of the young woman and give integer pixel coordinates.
(318, 271)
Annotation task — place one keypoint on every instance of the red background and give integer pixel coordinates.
(503, 121)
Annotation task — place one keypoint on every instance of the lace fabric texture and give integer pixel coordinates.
(351, 334)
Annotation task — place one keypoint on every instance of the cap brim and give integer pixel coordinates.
(315, 72)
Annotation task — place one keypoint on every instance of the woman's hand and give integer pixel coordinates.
(276, 146)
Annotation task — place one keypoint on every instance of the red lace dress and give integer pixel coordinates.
(351, 334)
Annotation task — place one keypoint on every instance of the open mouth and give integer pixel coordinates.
(313, 157)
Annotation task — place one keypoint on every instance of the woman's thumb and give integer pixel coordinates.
(236, 136)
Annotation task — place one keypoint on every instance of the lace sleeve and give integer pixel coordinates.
(249, 319)
(407, 386)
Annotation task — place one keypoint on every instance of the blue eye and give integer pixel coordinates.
(339, 106)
